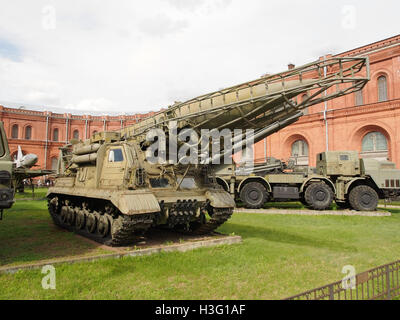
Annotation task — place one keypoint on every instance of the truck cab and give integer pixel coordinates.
(338, 163)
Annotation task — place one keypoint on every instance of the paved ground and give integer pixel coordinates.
(316, 213)
(388, 206)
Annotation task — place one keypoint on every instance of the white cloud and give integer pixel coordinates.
(96, 104)
(134, 56)
(161, 25)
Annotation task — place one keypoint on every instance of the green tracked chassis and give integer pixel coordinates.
(112, 228)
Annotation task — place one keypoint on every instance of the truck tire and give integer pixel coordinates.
(363, 198)
(318, 196)
(253, 195)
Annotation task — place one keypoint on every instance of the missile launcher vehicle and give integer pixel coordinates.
(340, 176)
(109, 189)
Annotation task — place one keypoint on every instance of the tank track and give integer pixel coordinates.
(123, 230)
(126, 230)
(218, 218)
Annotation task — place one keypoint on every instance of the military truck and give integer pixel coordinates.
(109, 190)
(12, 177)
(6, 173)
(340, 175)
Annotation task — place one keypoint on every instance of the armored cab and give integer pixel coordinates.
(338, 163)
(108, 189)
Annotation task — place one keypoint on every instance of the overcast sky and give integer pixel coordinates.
(132, 56)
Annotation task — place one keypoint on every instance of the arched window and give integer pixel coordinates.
(300, 152)
(28, 133)
(14, 131)
(374, 142)
(55, 135)
(75, 135)
(382, 89)
(300, 148)
(375, 146)
(359, 98)
(54, 163)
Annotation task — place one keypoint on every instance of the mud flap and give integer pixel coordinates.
(220, 199)
(131, 204)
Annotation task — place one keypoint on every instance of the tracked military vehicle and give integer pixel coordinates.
(340, 176)
(108, 189)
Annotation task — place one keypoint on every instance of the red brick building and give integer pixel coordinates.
(42, 133)
(368, 122)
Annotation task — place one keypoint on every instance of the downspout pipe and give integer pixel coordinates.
(326, 113)
(46, 142)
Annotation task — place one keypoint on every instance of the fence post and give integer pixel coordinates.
(388, 297)
(331, 295)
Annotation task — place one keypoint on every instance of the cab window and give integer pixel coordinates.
(115, 155)
(187, 183)
(344, 157)
(159, 183)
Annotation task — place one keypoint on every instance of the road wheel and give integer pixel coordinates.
(80, 220)
(363, 198)
(103, 226)
(91, 223)
(253, 195)
(319, 196)
(64, 214)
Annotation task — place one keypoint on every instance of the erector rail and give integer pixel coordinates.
(267, 104)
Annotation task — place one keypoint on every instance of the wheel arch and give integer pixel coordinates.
(362, 181)
(318, 179)
(222, 182)
(261, 180)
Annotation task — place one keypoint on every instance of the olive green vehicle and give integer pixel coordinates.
(108, 189)
(10, 176)
(340, 175)
(6, 173)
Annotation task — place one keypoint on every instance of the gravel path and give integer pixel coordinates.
(316, 213)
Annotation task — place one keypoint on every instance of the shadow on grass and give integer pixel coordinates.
(285, 205)
(27, 234)
(246, 231)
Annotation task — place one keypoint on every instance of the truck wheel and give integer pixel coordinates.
(318, 196)
(253, 195)
(363, 198)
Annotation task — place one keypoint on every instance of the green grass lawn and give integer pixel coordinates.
(280, 256)
(39, 193)
(27, 234)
